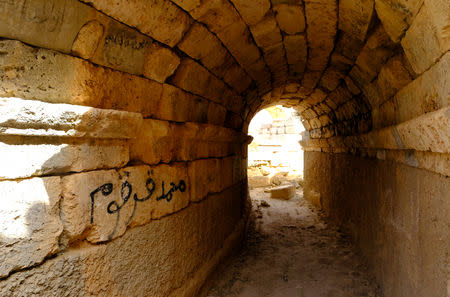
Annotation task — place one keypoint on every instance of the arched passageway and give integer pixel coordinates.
(123, 136)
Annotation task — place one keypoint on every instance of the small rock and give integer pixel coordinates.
(284, 192)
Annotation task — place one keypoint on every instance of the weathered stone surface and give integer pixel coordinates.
(396, 16)
(355, 17)
(31, 73)
(236, 38)
(160, 64)
(101, 205)
(29, 222)
(428, 92)
(321, 17)
(252, 12)
(266, 32)
(151, 253)
(34, 118)
(373, 56)
(393, 77)
(88, 39)
(421, 42)
(284, 192)
(44, 23)
(290, 18)
(192, 77)
(21, 161)
(216, 14)
(159, 19)
(296, 50)
(258, 181)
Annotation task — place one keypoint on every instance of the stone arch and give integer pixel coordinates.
(171, 86)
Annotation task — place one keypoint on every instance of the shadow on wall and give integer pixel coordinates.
(62, 189)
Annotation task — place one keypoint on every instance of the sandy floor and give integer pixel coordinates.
(292, 252)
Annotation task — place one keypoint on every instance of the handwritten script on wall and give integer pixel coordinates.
(163, 191)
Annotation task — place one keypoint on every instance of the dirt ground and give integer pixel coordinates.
(291, 251)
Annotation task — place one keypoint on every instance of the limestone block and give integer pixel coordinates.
(258, 181)
(396, 16)
(192, 77)
(21, 161)
(237, 78)
(252, 12)
(355, 17)
(216, 14)
(198, 42)
(205, 178)
(284, 192)
(172, 189)
(321, 17)
(35, 118)
(187, 5)
(159, 19)
(101, 205)
(290, 18)
(266, 32)
(296, 49)
(177, 105)
(122, 48)
(30, 226)
(32, 73)
(44, 23)
(88, 39)
(153, 143)
(421, 42)
(439, 10)
(429, 92)
(430, 132)
(393, 77)
(236, 38)
(373, 56)
(336, 71)
(160, 64)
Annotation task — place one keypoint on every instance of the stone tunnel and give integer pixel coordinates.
(123, 136)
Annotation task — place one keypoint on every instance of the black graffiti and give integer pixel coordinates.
(168, 196)
(126, 191)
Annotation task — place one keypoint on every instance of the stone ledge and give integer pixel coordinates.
(35, 118)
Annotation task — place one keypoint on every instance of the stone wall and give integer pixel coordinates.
(121, 119)
(397, 214)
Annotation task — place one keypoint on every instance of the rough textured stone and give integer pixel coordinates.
(160, 64)
(30, 221)
(252, 12)
(31, 73)
(397, 15)
(266, 32)
(159, 19)
(88, 39)
(152, 252)
(34, 118)
(290, 18)
(355, 17)
(21, 161)
(284, 192)
(100, 205)
(258, 181)
(421, 43)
